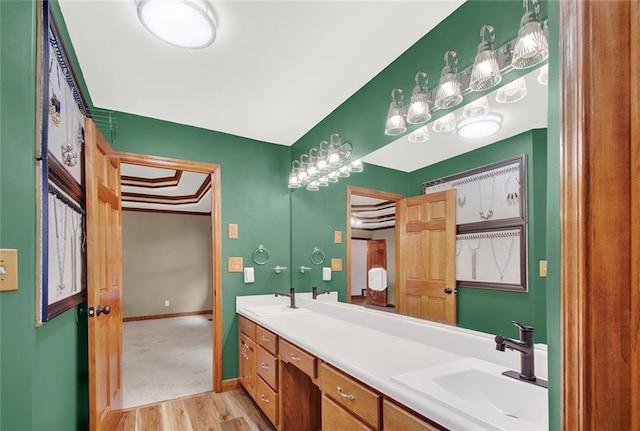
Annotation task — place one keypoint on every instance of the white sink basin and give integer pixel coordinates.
(478, 390)
(271, 310)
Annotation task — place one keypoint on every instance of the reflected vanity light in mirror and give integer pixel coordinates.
(445, 124)
(486, 71)
(396, 123)
(479, 127)
(419, 135)
(419, 110)
(543, 75)
(356, 166)
(531, 47)
(477, 108)
(449, 92)
(512, 92)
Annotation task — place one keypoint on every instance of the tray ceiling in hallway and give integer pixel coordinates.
(276, 69)
(165, 190)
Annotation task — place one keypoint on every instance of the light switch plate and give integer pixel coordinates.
(326, 273)
(543, 268)
(249, 276)
(233, 231)
(234, 264)
(336, 264)
(8, 270)
(337, 237)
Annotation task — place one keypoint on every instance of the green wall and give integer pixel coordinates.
(43, 371)
(492, 311)
(254, 195)
(315, 217)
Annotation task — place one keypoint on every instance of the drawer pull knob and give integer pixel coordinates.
(264, 339)
(343, 395)
(264, 398)
(264, 366)
(294, 357)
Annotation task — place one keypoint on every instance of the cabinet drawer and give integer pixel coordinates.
(351, 394)
(298, 357)
(247, 327)
(267, 366)
(267, 400)
(335, 418)
(267, 339)
(398, 419)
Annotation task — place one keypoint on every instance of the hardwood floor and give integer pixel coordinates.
(227, 411)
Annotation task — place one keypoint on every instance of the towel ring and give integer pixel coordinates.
(317, 256)
(261, 255)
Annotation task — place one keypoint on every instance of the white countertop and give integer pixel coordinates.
(372, 346)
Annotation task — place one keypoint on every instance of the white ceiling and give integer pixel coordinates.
(276, 69)
(363, 218)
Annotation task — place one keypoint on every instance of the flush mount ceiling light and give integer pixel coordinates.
(531, 47)
(183, 23)
(512, 92)
(449, 93)
(486, 71)
(479, 127)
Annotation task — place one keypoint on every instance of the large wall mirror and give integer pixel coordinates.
(362, 209)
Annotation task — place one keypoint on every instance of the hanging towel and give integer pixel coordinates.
(377, 279)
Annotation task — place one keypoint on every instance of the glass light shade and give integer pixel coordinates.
(445, 124)
(543, 75)
(531, 46)
(322, 182)
(345, 152)
(333, 153)
(419, 135)
(486, 71)
(343, 172)
(395, 124)
(183, 23)
(322, 164)
(477, 108)
(512, 92)
(293, 181)
(449, 92)
(303, 177)
(332, 177)
(419, 110)
(313, 186)
(312, 169)
(356, 166)
(479, 127)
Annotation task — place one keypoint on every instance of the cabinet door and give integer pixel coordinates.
(248, 364)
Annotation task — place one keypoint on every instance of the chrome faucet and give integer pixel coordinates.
(315, 292)
(291, 295)
(525, 347)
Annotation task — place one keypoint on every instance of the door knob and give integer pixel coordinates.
(105, 310)
(449, 291)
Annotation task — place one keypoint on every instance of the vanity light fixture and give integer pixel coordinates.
(183, 23)
(512, 92)
(485, 73)
(395, 118)
(477, 108)
(445, 124)
(419, 135)
(449, 93)
(323, 165)
(480, 127)
(419, 111)
(531, 47)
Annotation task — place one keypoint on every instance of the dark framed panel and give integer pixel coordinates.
(491, 219)
(61, 277)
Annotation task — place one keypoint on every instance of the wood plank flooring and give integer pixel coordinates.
(227, 411)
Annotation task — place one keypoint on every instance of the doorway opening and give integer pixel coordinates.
(371, 247)
(171, 278)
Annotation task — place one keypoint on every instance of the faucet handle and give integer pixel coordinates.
(521, 326)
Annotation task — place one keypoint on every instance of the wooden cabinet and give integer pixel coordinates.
(397, 418)
(353, 396)
(335, 418)
(248, 364)
(267, 366)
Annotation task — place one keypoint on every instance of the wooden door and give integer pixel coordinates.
(104, 280)
(376, 258)
(427, 262)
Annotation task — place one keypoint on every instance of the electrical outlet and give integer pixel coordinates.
(166, 302)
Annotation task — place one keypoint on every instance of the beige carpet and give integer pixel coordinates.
(163, 359)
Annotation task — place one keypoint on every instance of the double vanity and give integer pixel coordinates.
(335, 366)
